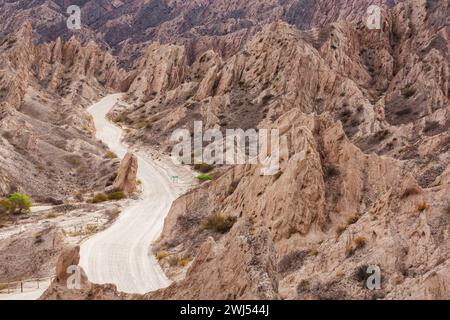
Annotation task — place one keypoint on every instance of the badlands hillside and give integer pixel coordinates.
(364, 177)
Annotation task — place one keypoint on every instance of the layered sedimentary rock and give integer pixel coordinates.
(46, 141)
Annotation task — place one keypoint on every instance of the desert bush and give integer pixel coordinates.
(79, 196)
(179, 261)
(183, 262)
(409, 91)
(352, 220)
(422, 206)
(100, 197)
(161, 255)
(360, 242)
(74, 160)
(203, 167)
(361, 274)
(118, 195)
(16, 203)
(111, 155)
(173, 261)
(204, 177)
(5, 206)
(86, 231)
(219, 223)
(292, 261)
(90, 229)
(51, 215)
(331, 171)
(303, 286)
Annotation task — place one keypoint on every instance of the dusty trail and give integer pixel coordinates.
(120, 254)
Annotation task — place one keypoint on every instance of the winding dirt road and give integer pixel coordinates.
(121, 254)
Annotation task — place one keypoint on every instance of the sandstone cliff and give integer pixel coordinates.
(46, 141)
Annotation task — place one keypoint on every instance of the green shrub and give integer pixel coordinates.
(16, 203)
(204, 177)
(219, 223)
(203, 167)
(100, 197)
(118, 195)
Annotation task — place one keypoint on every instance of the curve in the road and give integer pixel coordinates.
(120, 255)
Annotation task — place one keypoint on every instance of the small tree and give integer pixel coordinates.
(16, 203)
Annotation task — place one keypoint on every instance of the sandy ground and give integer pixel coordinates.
(70, 222)
(121, 254)
(31, 292)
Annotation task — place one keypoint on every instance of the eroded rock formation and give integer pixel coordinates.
(126, 180)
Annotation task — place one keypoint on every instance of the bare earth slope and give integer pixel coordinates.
(46, 141)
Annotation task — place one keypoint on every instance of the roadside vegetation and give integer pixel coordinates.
(179, 261)
(87, 230)
(111, 155)
(219, 223)
(16, 203)
(112, 196)
(204, 177)
(203, 168)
